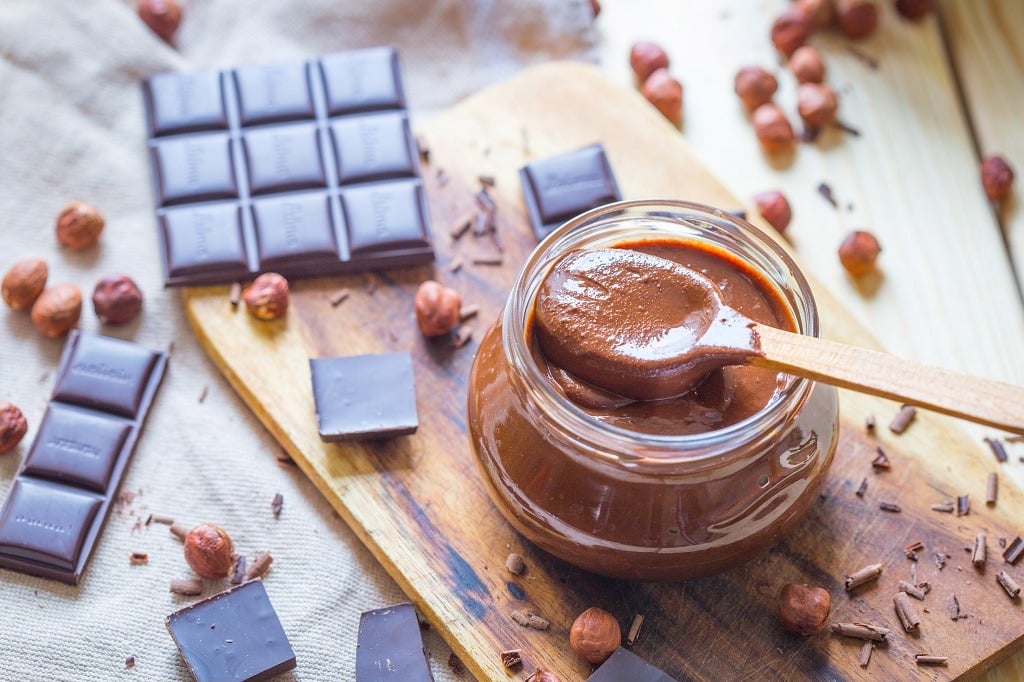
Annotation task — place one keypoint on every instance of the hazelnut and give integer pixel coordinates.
(803, 609)
(665, 93)
(437, 308)
(807, 66)
(774, 208)
(857, 18)
(209, 551)
(858, 252)
(79, 225)
(791, 29)
(24, 282)
(755, 86)
(57, 310)
(817, 104)
(646, 58)
(116, 299)
(821, 12)
(267, 297)
(915, 10)
(996, 177)
(772, 128)
(595, 635)
(12, 427)
(162, 16)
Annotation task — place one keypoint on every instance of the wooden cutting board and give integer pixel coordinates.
(418, 504)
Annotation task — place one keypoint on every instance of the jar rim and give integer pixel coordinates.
(616, 444)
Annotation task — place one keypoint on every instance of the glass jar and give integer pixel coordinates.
(633, 505)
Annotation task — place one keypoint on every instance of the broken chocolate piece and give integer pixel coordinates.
(390, 646)
(623, 664)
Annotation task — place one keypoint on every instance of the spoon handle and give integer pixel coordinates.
(975, 399)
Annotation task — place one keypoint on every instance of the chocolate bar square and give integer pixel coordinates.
(204, 239)
(385, 217)
(623, 664)
(105, 374)
(562, 187)
(77, 446)
(195, 168)
(364, 396)
(390, 646)
(374, 147)
(362, 80)
(273, 93)
(185, 103)
(233, 636)
(294, 229)
(283, 158)
(46, 523)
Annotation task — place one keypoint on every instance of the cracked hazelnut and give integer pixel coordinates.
(79, 226)
(57, 310)
(12, 427)
(267, 297)
(24, 282)
(162, 16)
(857, 18)
(437, 308)
(996, 177)
(791, 29)
(666, 94)
(209, 551)
(595, 634)
(858, 252)
(817, 104)
(646, 58)
(821, 12)
(803, 609)
(807, 66)
(755, 86)
(774, 208)
(116, 299)
(772, 128)
(915, 10)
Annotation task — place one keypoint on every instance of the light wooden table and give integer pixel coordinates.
(946, 90)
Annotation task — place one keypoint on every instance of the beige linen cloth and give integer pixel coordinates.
(71, 126)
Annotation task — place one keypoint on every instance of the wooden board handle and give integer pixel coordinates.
(994, 403)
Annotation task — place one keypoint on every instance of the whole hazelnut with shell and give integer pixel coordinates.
(996, 177)
(857, 18)
(915, 10)
(57, 310)
(773, 129)
(24, 282)
(821, 12)
(858, 252)
(12, 426)
(437, 308)
(665, 93)
(774, 208)
(817, 104)
(790, 30)
(645, 58)
(162, 16)
(79, 226)
(267, 297)
(209, 551)
(116, 299)
(807, 65)
(755, 86)
(595, 635)
(803, 609)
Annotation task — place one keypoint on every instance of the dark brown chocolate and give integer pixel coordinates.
(390, 647)
(623, 665)
(364, 396)
(306, 169)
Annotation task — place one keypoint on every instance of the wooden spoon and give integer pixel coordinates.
(648, 328)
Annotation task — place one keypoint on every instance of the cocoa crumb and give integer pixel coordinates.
(463, 334)
(529, 620)
(515, 564)
(235, 296)
(138, 558)
(129, 662)
(188, 587)
(238, 573)
(339, 297)
(259, 567)
(277, 504)
(203, 393)
(510, 658)
(902, 420)
(634, 630)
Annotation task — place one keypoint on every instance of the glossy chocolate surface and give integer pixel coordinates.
(390, 647)
(304, 168)
(625, 666)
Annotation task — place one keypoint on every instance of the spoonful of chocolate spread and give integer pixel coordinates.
(648, 328)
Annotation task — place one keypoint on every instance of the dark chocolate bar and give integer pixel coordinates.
(305, 169)
(234, 636)
(561, 187)
(623, 664)
(364, 396)
(60, 499)
(390, 647)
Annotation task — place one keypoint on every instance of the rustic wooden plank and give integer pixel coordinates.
(419, 505)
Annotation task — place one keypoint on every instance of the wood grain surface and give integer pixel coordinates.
(419, 505)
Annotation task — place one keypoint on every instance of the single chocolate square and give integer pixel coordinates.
(390, 648)
(374, 147)
(385, 217)
(105, 374)
(562, 187)
(204, 239)
(294, 229)
(46, 523)
(185, 103)
(77, 446)
(362, 80)
(283, 158)
(234, 636)
(364, 396)
(273, 93)
(197, 168)
(624, 665)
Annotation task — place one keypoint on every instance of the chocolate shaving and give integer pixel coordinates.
(991, 488)
(277, 504)
(488, 260)
(486, 180)
(869, 423)
(138, 558)
(902, 420)
(881, 460)
(461, 226)
(915, 591)
(862, 487)
(915, 546)
(905, 612)
(515, 564)
(468, 311)
(462, 336)
(510, 658)
(825, 190)
(238, 573)
(963, 505)
(203, 393)
(483, 223)
(865, 653)
(179, 531)
(1014, 551)
(422, 149)
(890, 507)
(863, 576)
(1008, 584)
(160, 518)
(945, 507)
(485, 202)
(978, 555)
(846, 128)
(634, 629)
(530, 620)
(940, 559)
(188, 587)
(953, 607)
(235, 296)
(259, 567)
(874, 633)
(929, 659)
(339, 297)
(870, 61)
(997, 449)
(456, 264)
